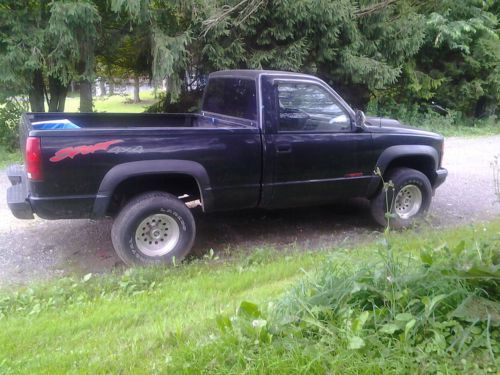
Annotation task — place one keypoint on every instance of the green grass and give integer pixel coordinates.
(164, 320)
(453, 124)
(127, 321)
(8, 157)
(115, 103)
(462, 129)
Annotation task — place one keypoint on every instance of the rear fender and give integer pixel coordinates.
(122, 172)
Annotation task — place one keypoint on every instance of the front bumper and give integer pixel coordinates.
(18, 194)
(441, 175)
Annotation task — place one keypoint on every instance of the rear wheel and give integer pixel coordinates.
(407, 202)
(153, 228)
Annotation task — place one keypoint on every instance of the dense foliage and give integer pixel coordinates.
(388, 54)
(458, 65)
(43, 47)
(384, 54)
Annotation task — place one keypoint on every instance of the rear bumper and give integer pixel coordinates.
(441, 175)
(24, 205)
(18, 194)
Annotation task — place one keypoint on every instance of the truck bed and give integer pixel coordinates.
(100, 122)
(122, 120)
(75, 161)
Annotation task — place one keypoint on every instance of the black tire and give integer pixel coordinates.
(401, 178)
(176, 217)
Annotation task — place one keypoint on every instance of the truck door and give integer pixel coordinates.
(314, 153)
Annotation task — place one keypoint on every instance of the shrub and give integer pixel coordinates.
(435, 313)
(10, 113)
(434, 118)
(188, 101)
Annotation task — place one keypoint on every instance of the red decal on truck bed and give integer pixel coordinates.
(71, 152)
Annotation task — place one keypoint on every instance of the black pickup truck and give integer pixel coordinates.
(263, 139)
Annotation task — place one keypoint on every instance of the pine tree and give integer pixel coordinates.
(358, 46)
(43, 46)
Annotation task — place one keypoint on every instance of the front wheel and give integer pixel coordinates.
(407, 202)
(153, 228)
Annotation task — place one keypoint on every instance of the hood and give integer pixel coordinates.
(382, 122)
(389, 125)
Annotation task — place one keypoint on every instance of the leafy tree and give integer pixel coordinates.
(164, 26)
(462, 52)
(358, 46)
(458, 66)
(402, 52)
(43, 46)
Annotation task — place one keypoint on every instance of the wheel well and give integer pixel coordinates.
(177, 184)
(422, 163)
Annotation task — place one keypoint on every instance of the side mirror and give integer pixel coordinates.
(359, 119)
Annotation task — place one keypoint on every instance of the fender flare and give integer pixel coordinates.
(394, 152)
(124, 171)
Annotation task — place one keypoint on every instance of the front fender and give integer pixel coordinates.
(395, 152)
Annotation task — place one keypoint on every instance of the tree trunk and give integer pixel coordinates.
(102, 87)
(37, 101)
(137, 83)
(111, 91)
(85, 96)
(57, 95)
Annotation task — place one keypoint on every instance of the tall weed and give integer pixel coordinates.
(437, 311)
(10, 113)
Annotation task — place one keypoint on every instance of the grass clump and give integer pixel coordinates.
(452, 126)
(8, 157)
(450, 123)
(431, 311)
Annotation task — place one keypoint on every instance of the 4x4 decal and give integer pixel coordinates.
(71, 152)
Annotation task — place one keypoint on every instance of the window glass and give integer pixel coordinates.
(309, 107)
(231, 96)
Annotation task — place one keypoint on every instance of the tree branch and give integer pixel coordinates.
(373, 8)
(248, 7)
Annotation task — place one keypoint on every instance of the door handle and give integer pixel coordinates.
(284, 148)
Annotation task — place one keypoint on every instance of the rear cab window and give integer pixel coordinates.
(235, 97)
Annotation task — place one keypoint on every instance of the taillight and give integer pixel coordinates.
(34, 158)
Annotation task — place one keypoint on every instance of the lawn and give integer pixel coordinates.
(131, 321)
(115, 103)
(8, 157)
(480, 128)
(301, 319)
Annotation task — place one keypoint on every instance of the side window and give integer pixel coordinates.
(231, 96)
(307, 107)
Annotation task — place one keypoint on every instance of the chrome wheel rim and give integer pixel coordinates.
(157, 235)
(408, 201)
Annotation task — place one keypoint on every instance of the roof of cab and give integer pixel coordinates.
(254, 73)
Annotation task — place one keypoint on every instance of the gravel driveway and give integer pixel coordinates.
(40, 249)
